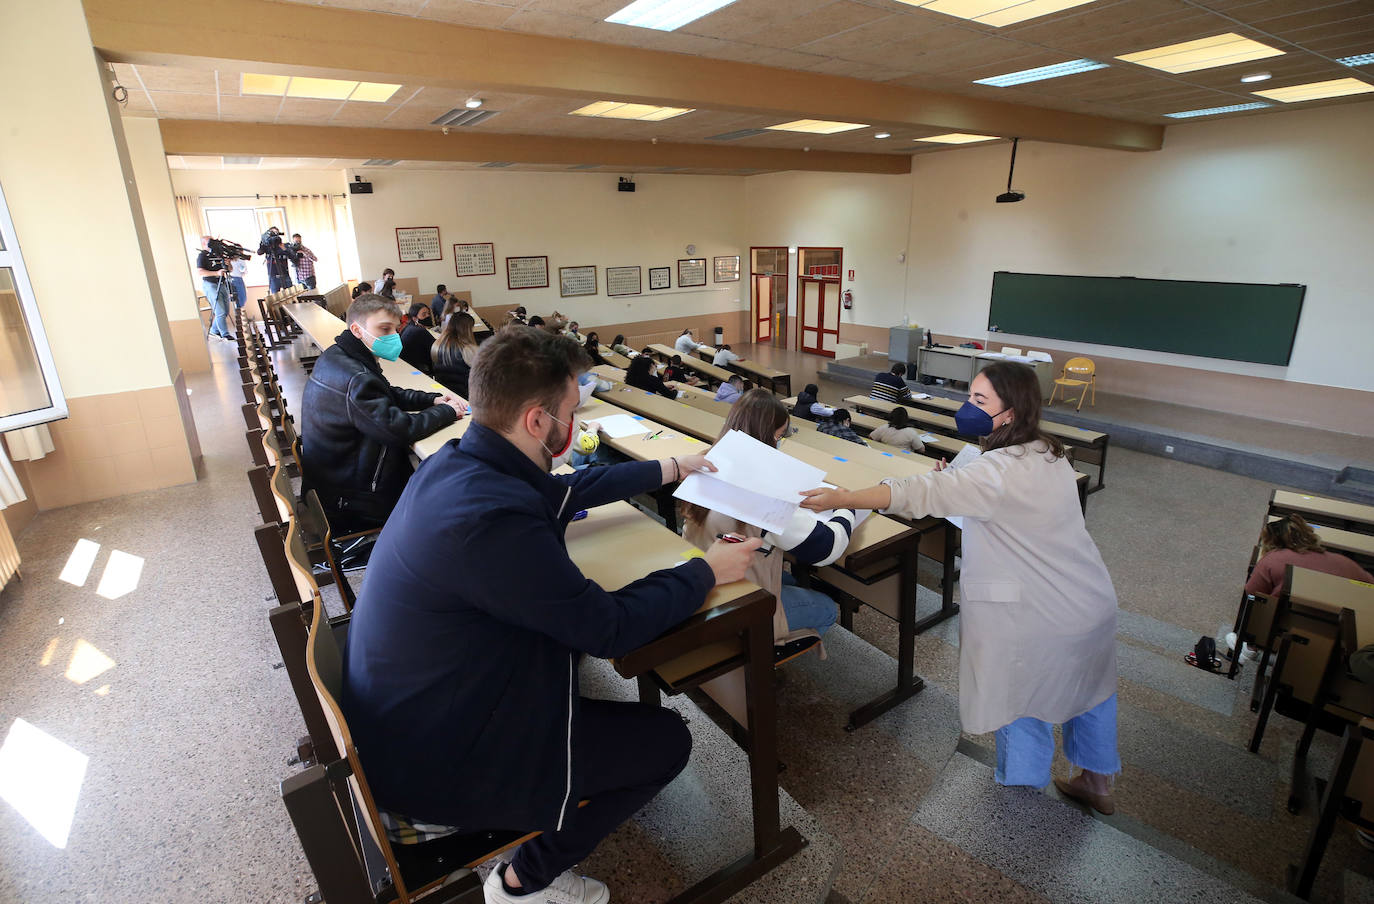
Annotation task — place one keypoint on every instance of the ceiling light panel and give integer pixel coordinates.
(1363, 59)
(996, 12)
(373, 92)
(320, 88)
(958, 138)
(817, 126)
(1205, 53)
(1072, 67)
(609, 109)
(1213, 111)
(1337, 87)
(665, 15)
(274, 85)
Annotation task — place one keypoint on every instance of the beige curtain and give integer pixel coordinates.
(192, 223)
(29, 443)
(11, 490)
(313, 217)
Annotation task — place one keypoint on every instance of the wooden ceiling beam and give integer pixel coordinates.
(294, 39)
(200, 137)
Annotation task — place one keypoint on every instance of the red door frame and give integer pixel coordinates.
(820, 320)
(774, 330)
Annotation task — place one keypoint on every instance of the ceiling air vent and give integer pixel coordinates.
(461, 116)
(585, 166)
(495, 165)
(378, 161)
(242, 161)
(737, 135)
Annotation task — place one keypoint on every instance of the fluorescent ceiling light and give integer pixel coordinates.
(665, 15)
(957, 138)
(1363, 59)
(883, 135)
(1256, 77)
(996, 12)
(374, 92)
(817, 126)
(274, 85)
(1072, 67)
(609, 109)
(1205, 53)
(1212, 111)
(1336, 87)
(318, 88)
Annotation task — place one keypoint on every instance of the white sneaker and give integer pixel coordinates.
(1248, 651)
(568, 888)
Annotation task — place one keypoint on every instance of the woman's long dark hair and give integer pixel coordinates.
(457, 335)
(757, 413)
(1019, 389)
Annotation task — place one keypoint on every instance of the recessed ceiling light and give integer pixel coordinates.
(883, 135)
(1072, 67)
(665, 15)
(817, 126)
(1363, 59)
(320, 88)
(996, 12)
(1336, 87)
(1204, 53)
(472, 103)
(610, 109)
(373, 92)
(1256, 77)
(274, 85)
(957, 138)
(1212, 111)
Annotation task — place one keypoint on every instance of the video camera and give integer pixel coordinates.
(272, 246)
(222, 250)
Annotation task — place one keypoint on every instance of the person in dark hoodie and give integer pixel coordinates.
(356, 428)
(461, 666)
(416, 339)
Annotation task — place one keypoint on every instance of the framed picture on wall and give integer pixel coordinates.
(623, 281)
(530, 272)
(418, 243)
(474, 259)
(691, 272)
(574, 281)
(726, 269)
(660, 278)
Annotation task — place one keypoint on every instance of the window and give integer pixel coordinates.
(29, 391)
(245, 225)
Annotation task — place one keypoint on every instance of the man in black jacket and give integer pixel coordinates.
(356, 428)
(460, 673)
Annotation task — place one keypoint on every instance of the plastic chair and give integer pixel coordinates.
(1081, 372)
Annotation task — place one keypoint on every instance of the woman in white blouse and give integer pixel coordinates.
(1038, 613)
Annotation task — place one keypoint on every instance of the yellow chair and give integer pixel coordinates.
(1080, 372)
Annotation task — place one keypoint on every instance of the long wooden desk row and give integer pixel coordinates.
(703, 366)
(1337, 513)
(779, 381)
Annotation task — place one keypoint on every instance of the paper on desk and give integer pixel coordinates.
(921, 395)
(927, 438)
(966, 455)
(753, 482)
(621, 425)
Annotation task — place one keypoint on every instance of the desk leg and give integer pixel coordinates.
(667, 506)
(1271, 692)
(1301, 879)
(1242, 620)
(947, 605)
(908, 684)
(1101, 468)
(648, 691)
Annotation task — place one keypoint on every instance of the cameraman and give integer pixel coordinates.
(304, 259)
(278, 271)
(214, 277)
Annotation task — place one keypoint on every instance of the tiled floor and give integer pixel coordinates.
(187, 725)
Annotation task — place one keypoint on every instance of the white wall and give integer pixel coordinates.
(160, 216)
(1279, 198)
(575, 219)
(254, 182)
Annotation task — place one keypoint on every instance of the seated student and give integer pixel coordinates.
(536, 321)
(454, 354)
(620, 348)
(362, 288)
(840, 424)
(679, 374)
(803, 612)
(899, 432)
(640, 375)
(593, 348)
(891, 386)
(460, 670)
(724, 357)
(807, 407)
(439, 302)
(571, 332)
(356, 428)
(416, 338)
(386, 286)
(731, 389)
(517, 315)
(687, 344)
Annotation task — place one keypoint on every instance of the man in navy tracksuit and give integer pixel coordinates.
(460, 680)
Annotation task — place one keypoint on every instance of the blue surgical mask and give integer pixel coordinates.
(973, 421)
(388, 346)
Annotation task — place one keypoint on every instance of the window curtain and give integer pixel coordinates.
(192, 223)
(314, 218)
(29, 443)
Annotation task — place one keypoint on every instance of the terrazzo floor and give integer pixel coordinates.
(165, 682)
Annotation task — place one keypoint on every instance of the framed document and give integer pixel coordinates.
(474, 259)
(660, 278)
(418, 243)
(622, 281)
(726, 269)
(573, 281)
(530, 272)
(691, 272)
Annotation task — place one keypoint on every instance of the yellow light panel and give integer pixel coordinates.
(274, 85)
(958, 138)
(1339, 87)
(818, 126)
(609, 109)
(373, 92)
(1205, 53)
(996, 12)
(320, 88)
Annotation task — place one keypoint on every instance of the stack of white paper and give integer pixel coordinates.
(621, 425)
(753, 482)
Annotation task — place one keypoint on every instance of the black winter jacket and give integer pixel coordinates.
(416, 342)
(357, 429)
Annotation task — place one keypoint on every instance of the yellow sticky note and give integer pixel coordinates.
(693, 553)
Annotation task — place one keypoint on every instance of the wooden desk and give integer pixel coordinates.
(702, 368)
(1316, 592)
(1351, 516)
(615, 359)
(753, 371)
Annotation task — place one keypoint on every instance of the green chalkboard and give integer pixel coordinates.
(1238, 321)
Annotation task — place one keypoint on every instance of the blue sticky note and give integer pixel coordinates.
(888, 454)
(837, 458)
(637, 417)
(416, 373)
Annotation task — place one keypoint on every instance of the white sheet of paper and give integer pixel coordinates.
(967, 454)
(753, 483)
(764, 512)
(621, 425)
(927, 438)
(921, 395)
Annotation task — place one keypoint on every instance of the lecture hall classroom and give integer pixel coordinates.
(1161, 207)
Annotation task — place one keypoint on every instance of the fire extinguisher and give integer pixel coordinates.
(848, 299)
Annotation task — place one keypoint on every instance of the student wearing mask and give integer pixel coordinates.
(386, 286)
(1038, 611)
(356, 428)
(724, 357)
(572, 333)
(808, 408)
(416, 339)
(620, 348)
(593, 348)
(676, 373)
(891, 386)
(460, 673)
(454, 354)
(640, 375)
(899, 432)
(731, 389)
(686, 343)
(839, 425)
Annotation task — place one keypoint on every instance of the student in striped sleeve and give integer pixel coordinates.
(891, 386)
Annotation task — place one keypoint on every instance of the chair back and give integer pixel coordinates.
(299, 561)
(1259, 624)
(316, 522)
(283, 494)
(1313, 642)
(1082, 368)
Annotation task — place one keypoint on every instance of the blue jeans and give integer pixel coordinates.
(276, 283)
(1025, 748)
(240, 291)
(806, 608)
(217, 293)
(307, 281)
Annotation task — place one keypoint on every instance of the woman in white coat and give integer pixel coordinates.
(1038, 613)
